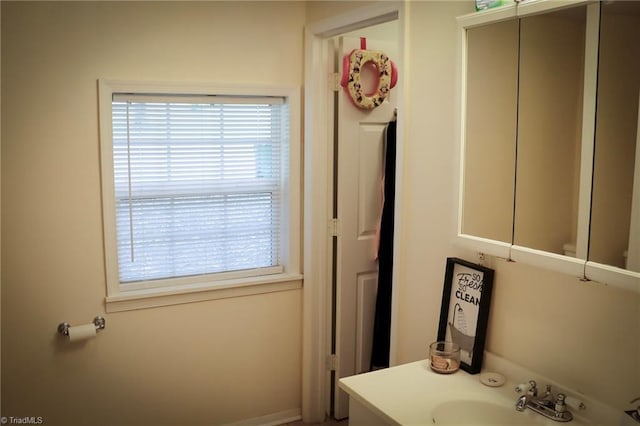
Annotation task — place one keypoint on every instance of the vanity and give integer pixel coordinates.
(412, 394)
(549, 137)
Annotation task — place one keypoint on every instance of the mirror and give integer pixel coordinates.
(490, 149)
(613, 240)
(549, 130)
(550, 137)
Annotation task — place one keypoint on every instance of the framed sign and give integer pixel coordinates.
(465, 310)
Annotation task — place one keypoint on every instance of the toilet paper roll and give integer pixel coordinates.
(82, 332)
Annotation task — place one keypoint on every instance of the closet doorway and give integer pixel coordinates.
(320, 57)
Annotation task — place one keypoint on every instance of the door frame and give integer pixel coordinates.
(318, 164)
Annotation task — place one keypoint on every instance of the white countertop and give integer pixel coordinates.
(408, 394)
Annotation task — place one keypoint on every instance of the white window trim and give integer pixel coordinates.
(205, 288)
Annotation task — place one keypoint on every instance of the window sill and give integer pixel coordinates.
(152, 298)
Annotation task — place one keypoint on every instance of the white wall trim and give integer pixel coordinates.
(317, 192)
(280, 418)
(153, 298)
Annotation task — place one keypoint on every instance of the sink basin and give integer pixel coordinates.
(476, 412)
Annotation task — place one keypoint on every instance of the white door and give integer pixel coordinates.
(359, 202)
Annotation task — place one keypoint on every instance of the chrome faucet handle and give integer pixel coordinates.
(637, 409)
(561, 406)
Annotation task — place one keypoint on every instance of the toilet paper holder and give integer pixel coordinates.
(99, 322)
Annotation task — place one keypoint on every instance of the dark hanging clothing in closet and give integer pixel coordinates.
(382, 321)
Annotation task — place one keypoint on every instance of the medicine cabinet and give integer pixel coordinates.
(549, 106)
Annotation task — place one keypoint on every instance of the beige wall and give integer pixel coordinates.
(428, 214)
(581, 334)
(201, 363)
(226, 360)
(321, 9)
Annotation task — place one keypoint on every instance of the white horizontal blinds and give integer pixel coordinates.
(197, 184)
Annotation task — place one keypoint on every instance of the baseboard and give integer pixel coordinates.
(274, 419)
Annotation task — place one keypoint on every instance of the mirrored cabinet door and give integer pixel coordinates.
(615, 225)
(549, 135)
(490, 148)
(550, 140)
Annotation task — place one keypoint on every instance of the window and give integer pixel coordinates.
(197, 185)
(196, 188)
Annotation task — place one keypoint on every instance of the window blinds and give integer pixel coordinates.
(198, 184)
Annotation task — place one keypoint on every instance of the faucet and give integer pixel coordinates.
(635, 414)
(551, 406)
